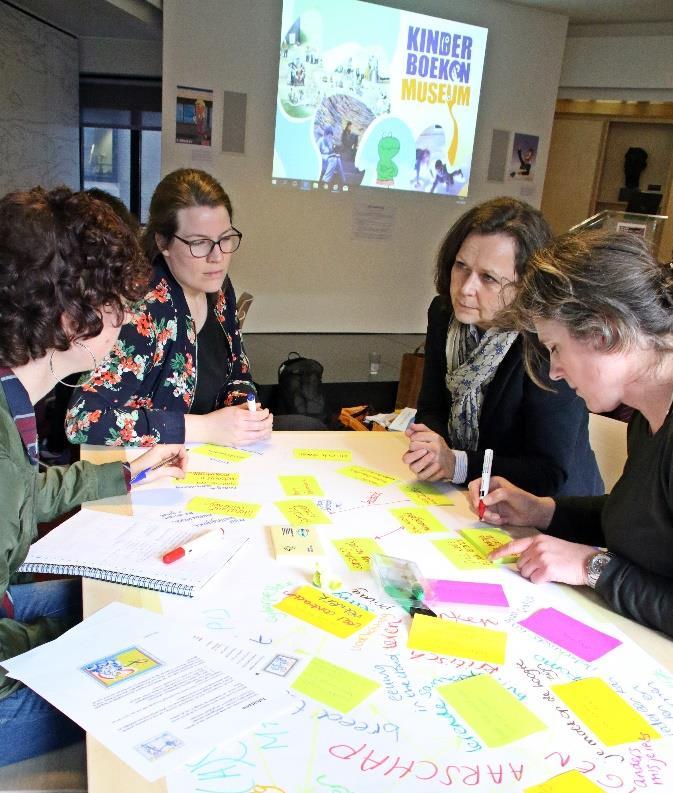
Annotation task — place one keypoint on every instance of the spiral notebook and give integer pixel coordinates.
(128, 550)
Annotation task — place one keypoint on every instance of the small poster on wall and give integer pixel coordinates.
(524, 154)
(194, 116)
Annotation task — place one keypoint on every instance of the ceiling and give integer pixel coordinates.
(142, 19)
(119, 19)
(583, 12)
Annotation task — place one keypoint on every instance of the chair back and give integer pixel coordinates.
(608, 440)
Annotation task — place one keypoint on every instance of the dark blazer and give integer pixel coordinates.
(540, 439)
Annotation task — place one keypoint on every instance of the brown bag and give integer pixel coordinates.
(353, 418)
(411, 377)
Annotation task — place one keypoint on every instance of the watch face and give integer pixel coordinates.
(596, 565)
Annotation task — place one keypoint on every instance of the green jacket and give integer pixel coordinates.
(27, 498)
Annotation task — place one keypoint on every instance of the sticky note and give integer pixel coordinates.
(579, 638)
(426, 495)
(302, 512)
(451, 638)
(334, 455)
(327, 612)
(487, 540)
(367, 475)
(603, 711)
(472, 592)
(300, 486)
(569, 782)
(295, 541)
(334, 686)
(462, 555)
(418, 520)
(357, 551)
(494, 713)
(209, 479)
(226, 453)
(216, 506)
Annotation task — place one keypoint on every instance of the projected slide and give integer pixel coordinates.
(375, 97)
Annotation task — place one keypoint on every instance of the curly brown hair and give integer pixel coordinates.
(61, 253)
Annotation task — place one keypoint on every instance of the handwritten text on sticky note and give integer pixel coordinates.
(367, 475)
(357, 551)
(333, 455)
(462, 555)
(334, 686)
(494, 713)
(300, 485)
(216, 506)
(487, 540)
(302, 512)
(603, 711)
(571, 634)
(426, 495)
(209, 479)
(463, 641)
(225, 453)
(327, 612)
(418, 520)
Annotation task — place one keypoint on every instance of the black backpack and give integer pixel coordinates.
(300, 388)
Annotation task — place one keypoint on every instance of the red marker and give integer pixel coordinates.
(201, 542)
(485, 481)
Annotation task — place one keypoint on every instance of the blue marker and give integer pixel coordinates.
(139, 477)
(252, 403)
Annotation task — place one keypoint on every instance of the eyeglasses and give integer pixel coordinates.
(200, 249)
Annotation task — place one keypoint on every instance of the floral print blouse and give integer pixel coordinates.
(139, 394)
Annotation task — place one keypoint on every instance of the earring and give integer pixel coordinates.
(62, 382)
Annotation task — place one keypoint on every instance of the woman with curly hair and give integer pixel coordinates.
(179, 371)
(68, 266)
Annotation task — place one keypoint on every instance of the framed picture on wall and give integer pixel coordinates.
(523, 156)
(194, 116)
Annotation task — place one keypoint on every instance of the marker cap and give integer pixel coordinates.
(173, 556)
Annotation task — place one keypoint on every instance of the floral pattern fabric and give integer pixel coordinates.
(139, 394)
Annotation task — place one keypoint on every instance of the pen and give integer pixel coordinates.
(252, 403)
(142, 474)
(485, 480)
(202, 541)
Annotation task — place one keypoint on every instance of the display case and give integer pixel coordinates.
(648, 227)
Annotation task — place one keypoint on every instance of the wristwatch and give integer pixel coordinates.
(595, 566)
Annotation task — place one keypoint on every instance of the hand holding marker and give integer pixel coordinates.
(485, 481)
(139, 477)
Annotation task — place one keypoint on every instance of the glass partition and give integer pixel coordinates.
(646, 226)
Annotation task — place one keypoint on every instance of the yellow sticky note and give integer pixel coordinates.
(327, 612)
(569, 782)
(225, 453)
(462, 555)
(302, 512)
(334, 455)
(209, 479)
(300, 486)
(451, 638)
(367, 475)
(295, 541)
(418, 520)
(494, 713)
(603, 711)
(216, 506)
(487, 540)
(357, 551)
(426, 495)
(334, 686)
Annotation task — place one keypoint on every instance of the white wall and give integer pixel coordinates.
(298, 258)
(627, 62)
(39, 106)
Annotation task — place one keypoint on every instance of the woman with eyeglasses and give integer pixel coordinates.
(476, 394)
(179, 371)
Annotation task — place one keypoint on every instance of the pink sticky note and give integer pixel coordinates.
(477, 594)
(579, 638)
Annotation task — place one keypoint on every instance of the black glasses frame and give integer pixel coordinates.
(232, 234)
